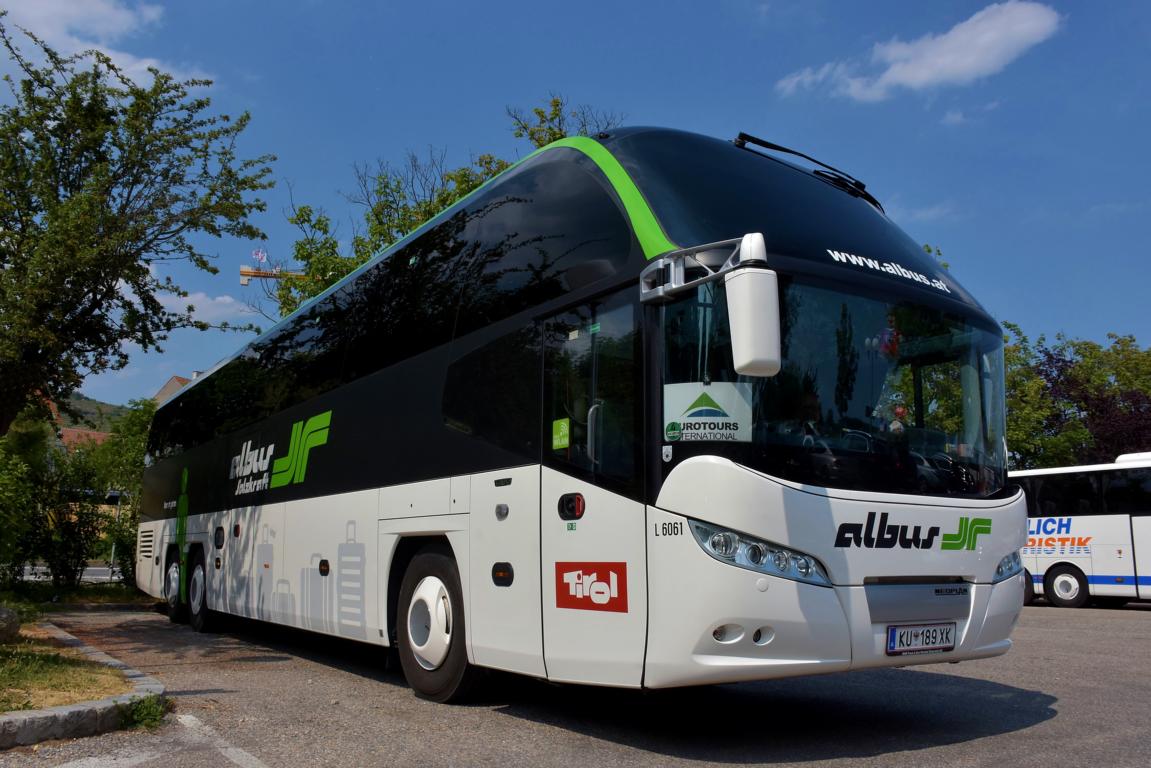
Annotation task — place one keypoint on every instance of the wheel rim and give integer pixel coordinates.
(172, 584)
(430, 623)
(196, 588)
(1066, 586)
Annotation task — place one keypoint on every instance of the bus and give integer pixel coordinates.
(1088, 532)
(643, 411)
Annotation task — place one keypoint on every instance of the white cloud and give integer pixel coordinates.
(954, 117)
(71, 26)
(979, 47)
(209, 309)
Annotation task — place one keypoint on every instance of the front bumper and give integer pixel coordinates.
(772, 627)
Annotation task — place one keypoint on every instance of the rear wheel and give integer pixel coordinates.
(1065, 586)
(200, 616)
(177, 610)
(1028, 588)
(430, 628)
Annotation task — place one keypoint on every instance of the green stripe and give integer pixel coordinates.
(646, 226)
(643, 221)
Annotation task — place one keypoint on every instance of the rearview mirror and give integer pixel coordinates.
(753, 311)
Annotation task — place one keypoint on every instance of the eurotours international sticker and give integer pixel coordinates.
(698, 412)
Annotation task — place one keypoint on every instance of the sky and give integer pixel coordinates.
(1013, 135)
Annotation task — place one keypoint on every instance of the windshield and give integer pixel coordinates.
(873, 395)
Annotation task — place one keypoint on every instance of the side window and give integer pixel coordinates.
(1066, 495)
(592, 392)
(1128, 492)
(493, 393)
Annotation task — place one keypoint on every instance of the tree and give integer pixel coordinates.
(120, 461)
(395, 201)
(1103, 391)
(101, 180)
(1036, 435)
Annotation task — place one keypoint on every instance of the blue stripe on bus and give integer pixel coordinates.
(1142, 581)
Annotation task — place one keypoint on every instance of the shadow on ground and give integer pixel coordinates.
(857, 714)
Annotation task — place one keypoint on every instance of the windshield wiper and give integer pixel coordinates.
(830, 174)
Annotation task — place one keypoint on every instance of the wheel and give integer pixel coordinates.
(430, 628)
(200, 616)
(177, 610)
(1065, 587)
(1028, 588)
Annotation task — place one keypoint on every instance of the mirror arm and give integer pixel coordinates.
(679, 271)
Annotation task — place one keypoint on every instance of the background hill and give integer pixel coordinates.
(101, 414)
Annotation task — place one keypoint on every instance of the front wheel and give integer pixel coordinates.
(1065, 586)
(430, 631)
(1028, 588)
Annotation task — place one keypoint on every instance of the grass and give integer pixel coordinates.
(147, 712)
(37, 672)
(30, 598)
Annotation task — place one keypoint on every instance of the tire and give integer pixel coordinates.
(1028, 588)
(200, 616)
(1065, 586)
(177, 609)
(430, 628)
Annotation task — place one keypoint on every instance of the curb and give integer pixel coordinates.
(74, 720)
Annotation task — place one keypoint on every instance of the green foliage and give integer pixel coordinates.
(146, 712)
(70, 519)
(101, 179)
(394, 202)
(52, 501)
(17, 497)
(120, 464)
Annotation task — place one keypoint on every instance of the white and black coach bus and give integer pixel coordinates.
(649, 409)
(1089, 532)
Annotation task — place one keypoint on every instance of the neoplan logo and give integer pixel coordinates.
(291, 468)
(880, 534)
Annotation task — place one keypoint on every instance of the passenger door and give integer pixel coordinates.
(593, 567)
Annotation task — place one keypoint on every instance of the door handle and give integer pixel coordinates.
(593, 432)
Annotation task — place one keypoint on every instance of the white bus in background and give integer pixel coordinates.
(1089, 532)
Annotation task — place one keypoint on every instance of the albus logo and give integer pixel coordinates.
(592, 586)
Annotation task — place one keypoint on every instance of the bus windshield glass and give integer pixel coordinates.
(874, 395)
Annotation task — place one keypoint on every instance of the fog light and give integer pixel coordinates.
(756, 554)
(724, 544)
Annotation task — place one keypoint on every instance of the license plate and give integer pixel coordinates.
(920, 638)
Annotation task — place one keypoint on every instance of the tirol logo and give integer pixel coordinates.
(880, 534)
(250, 466)
(592, 586)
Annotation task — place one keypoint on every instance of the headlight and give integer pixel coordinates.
(758, 555)
(1008, 567)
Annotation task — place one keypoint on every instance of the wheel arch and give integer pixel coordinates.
(406, 549)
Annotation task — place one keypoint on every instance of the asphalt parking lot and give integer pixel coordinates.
(1074, 691)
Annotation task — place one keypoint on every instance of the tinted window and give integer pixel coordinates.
(592, 392)
(1076, 493)
(493, 393)
(550, 226)
(704, 190)
(1127, 491)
